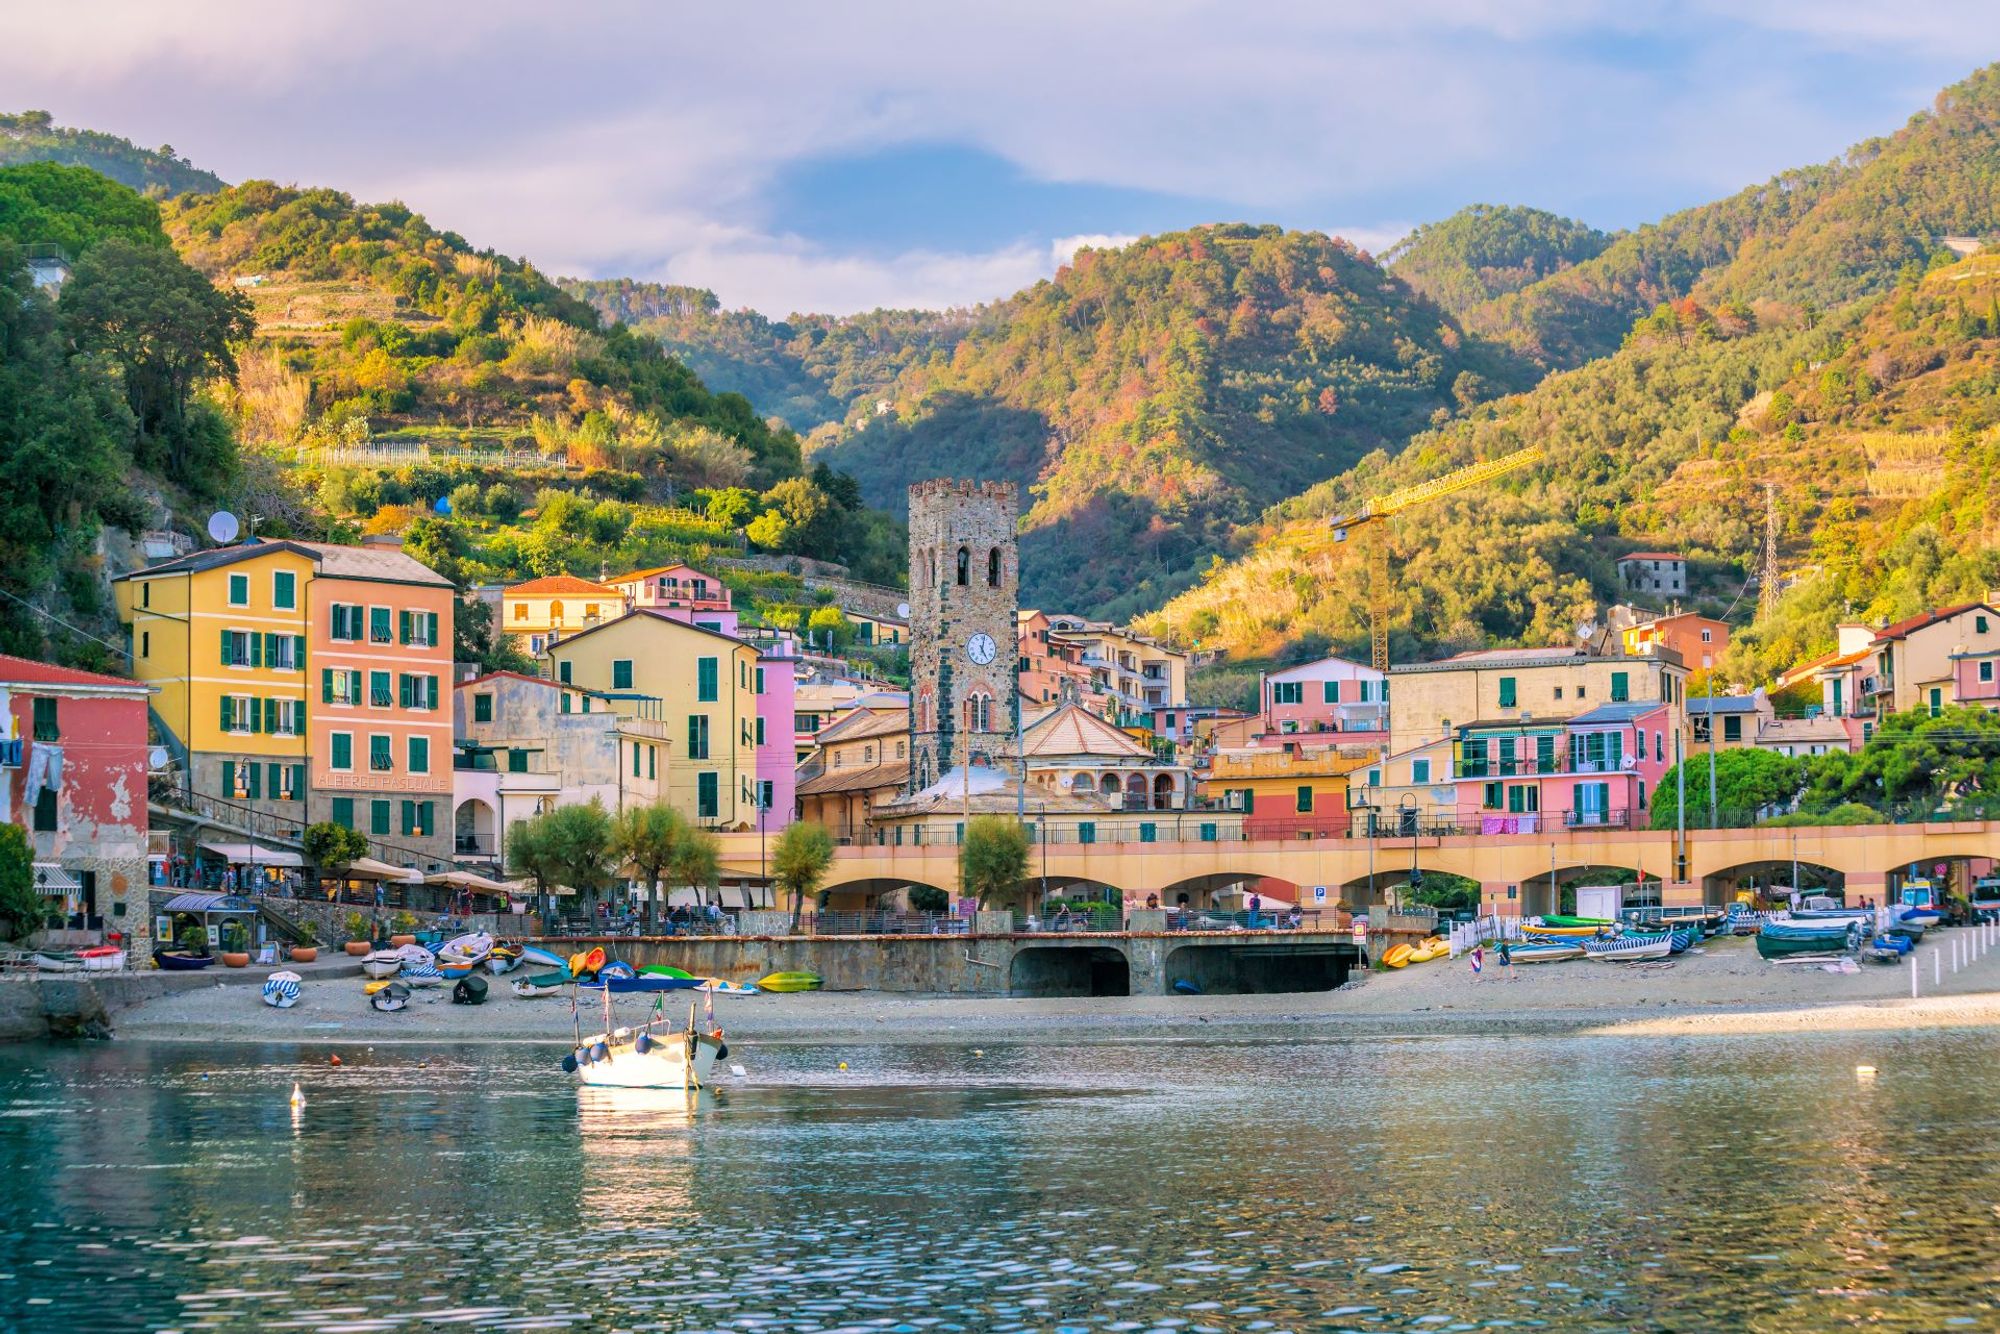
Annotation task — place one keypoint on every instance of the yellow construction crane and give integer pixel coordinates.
(1370, 520)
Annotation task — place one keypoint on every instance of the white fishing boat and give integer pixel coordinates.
(649, 1056)
(102, 959)
(58, 962)
(281, 989)
(382, 963)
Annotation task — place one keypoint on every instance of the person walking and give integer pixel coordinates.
(1478, 957)
(1506, 954)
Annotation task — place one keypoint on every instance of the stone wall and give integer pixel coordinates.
(978, 520)
(328, 918)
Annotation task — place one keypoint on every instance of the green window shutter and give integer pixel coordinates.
(1331, 692)
(517, 761)
(707, 802)
(403, 627)
(562, 672)
(1146, 832)
(1420, 771)
(378, 817)
(652, 761)
(431, 626)
(409, 817)
(326, 685)
(354, 687)
(285, 590)
(427, 817)
(255, 645)
(1086, 831)
(565, 701)
(760, 731)
(299, 782)
(1507, 696)
(229, 780)
(299, 652)
(621, 674)
(270, 715)
(228, 649)
(635, 760)
(254, 778)
(342, 750)
(1305, 799)
(1208, 833)
(1621, 687)
(270, 649)
(404, 687)
(420, 755)
(705, 680)
(482, 708)
(228, 713)
(343, 812)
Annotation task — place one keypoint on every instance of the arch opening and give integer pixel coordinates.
(1060, 970)
(1238, 970)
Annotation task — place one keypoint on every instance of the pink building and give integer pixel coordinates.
(73, 777)
(681, 593)
(1600, 767)
(777, 752)
(1331, 695)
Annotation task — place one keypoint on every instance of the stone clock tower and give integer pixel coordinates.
(964, 587)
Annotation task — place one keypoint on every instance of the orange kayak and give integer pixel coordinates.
(586, 963)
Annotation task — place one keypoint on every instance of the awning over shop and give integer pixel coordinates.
(253, 854)
(199, 902)
(51, 878)
(473, 881)
(367, 868)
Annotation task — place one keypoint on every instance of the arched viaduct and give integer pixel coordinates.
(1514, 871)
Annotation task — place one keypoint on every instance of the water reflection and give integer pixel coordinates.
(1567, 1183)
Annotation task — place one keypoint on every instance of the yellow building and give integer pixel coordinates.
(540, 611)
(1139, 675)
(1427, 700)
(222, 635)
(1294, 791)
(701, 684)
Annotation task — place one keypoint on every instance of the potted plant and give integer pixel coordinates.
(194, 938)
(307, 949)
(235, 945)
(403, 929)
(358, 943)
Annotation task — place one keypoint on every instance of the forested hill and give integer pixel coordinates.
(1151, 398)
(1814, 237)
(806, 370)
(33, 136)
(1484, 252)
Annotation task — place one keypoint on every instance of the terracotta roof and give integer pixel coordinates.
(655, 572)
(27, 671)
(860, 724)
(1071, 729)
(651, 614)
(1902, 629)
(334, 560)
(1843, 660)
(893, 774)
(1651, 555)
(560, 583)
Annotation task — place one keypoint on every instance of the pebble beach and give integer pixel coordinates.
(1725, 988)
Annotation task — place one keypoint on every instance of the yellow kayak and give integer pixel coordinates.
(1398, 956)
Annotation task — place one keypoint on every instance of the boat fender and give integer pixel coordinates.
(569, 1064)
(643, 1044)
(600, 1052)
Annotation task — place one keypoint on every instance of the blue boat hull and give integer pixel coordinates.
(644, 982)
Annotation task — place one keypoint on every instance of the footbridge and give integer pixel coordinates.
(1516, 872)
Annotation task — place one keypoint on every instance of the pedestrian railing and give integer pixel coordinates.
(887, 924)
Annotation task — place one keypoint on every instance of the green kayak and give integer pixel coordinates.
(663, 970)
(1577, 921)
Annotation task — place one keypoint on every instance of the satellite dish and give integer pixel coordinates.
(156, 758)
(903, 610)
(222, 526)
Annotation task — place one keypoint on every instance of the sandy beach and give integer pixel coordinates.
(1724, 989)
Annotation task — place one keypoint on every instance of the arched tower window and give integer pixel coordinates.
(924, 711)
(979, 712)
(993, 568)
(964, 567)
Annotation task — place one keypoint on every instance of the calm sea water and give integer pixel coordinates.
(1439, 1184)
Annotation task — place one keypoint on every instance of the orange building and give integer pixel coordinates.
(1700, 640)
(379, 646)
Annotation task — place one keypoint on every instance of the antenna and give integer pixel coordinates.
(1767, 592)
(223, 528)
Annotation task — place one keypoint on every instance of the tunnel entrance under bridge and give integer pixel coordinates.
(1070, 970)
(1239, 970)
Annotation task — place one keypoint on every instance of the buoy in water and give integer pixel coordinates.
(843, 1065)
(977, 1052)
(298, 1097)
(333, 1059)
(1864, 1072)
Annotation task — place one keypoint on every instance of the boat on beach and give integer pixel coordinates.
(382, 963)
(1629, 947)
(783, 982)
(390, 997)
(57, 961)
(540, 985)
(1790, 939)
(281, 989)
(182, 961)
(102, 959)
(1538, 951)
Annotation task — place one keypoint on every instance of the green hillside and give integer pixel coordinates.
(33, 136)
(1484, 252)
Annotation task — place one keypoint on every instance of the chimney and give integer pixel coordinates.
(382, 541)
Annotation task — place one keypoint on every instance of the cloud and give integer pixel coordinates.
(629, 137)
(1063, 249)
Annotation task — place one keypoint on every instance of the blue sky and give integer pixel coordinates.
(807, 156)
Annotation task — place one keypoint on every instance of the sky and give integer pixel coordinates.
(834, 157)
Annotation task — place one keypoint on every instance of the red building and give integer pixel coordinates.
(74, 767)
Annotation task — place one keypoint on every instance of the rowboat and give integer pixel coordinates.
(504, 958)
(181, 961)
(1544, 951)
(420, 975)
(391, 997)
(281, 990)
(1781, 940)
(1629, 947)
(1683, 939)
(1580, 932)
(541, 984)
(102, 959)
(382, 963)
(461, 954)
(1558, 919)
(58, 962)
(789, 982)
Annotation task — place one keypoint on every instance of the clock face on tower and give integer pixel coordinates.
(981, 648)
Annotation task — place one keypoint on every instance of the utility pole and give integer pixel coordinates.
(1681, 805)
(1767, 590)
